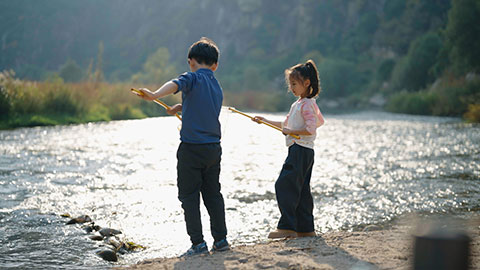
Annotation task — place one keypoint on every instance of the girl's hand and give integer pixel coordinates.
(286, 131)
(147, 94)
(174, 109)
(258, 119)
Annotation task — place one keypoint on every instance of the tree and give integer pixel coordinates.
(463, 35)
(99, 67)
(385, 69)
(156, 69)
(414, 71)
(71, 72)
(394, 8)
(338, 77)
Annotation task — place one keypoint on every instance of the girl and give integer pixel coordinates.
(293, 185)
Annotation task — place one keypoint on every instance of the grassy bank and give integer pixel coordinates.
(447, 97)
(54, 102)
(24, 103)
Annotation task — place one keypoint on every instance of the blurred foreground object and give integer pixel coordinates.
(441, 245)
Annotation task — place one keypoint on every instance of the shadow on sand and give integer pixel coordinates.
(302, 253)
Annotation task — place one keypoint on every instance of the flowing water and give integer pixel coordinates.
(369, 168)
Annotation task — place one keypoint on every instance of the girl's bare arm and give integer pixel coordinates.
(259, 119)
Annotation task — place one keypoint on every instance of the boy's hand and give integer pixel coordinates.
(147, 94)
(258, 119)
(174, 109)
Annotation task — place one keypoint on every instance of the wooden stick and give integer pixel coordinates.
(263, 122)
(158, 101)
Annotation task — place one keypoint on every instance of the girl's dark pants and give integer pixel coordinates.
(293, 190)
(198, 171)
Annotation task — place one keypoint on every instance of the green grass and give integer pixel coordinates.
(49, 120)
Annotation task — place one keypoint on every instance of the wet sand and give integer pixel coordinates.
(373, 248)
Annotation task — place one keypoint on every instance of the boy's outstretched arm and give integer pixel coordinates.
(165, 90)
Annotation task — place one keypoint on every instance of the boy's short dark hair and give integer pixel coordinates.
(204, 51)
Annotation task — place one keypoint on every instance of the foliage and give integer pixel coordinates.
(98, 75)
(157, 68)
(384, 71)
(463, 35)
(125, 111)
(411, 103)
(395, 48)
(473, 113)
(394, 8)
(4, 103)
(288, 30)
(33, 72)
(338, 77)
(453, 98)
(414, 71)
(71, 71)
(59, 99)
(6, 81)
(448, 98)
(269, 101)
(53, 102)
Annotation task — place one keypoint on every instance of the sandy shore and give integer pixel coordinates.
(372, 248)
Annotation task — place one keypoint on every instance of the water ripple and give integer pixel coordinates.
(369, 168)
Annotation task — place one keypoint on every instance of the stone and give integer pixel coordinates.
(108, 255)
(80, 219)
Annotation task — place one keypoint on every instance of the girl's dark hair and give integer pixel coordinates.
(301, 72)
(204, 51)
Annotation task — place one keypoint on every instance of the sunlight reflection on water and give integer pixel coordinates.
(369, 168)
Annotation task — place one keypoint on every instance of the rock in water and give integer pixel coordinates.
(80, 219)
(91, 227)
(96, 237)
(108, 255)
(106, 232)
(116, 244)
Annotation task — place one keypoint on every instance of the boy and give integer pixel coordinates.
(199, 153)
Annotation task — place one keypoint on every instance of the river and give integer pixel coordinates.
(370, 168)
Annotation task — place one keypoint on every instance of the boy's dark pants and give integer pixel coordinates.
(198, 171)
(293, 190)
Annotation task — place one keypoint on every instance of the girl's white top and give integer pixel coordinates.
(304, 114)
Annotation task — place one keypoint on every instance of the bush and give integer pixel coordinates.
(23, 97)
(71, 72)
(454, 97)
(60, 100)
(448, 102)
(55, 102)
(125, 111)
(4, 103)
(411, 103)
(447, 98)
(473, 113)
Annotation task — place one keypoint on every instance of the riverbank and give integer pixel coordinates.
(54, 102)
(372, 248)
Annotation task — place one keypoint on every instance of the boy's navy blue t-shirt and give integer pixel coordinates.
(202, 99)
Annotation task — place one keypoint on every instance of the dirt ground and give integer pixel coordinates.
(373, 248)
